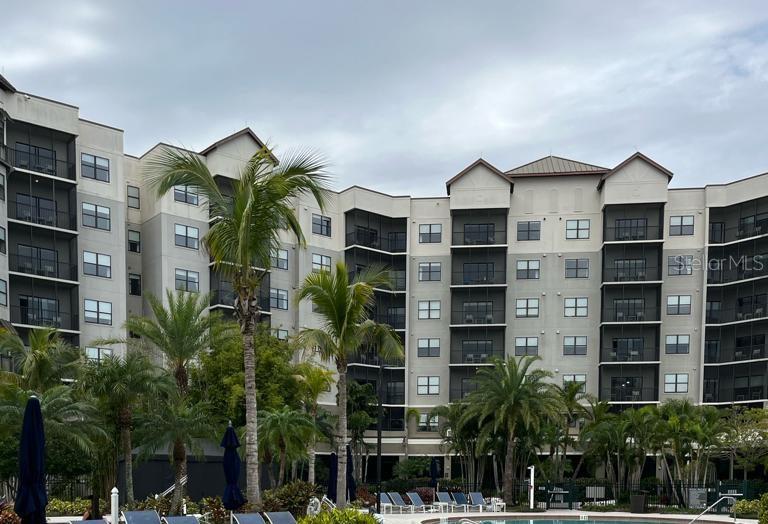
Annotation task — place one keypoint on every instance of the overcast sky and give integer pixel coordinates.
(401, 95)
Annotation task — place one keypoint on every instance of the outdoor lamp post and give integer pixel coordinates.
(379, 425)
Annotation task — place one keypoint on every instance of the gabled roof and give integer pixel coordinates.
(234, 136)
(556, 166)
(473, 165)
(636, 156)
(6, 85)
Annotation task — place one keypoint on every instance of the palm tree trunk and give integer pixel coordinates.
(509, 466)
(281, 473)
(125, 432)
(180, 467)
(341, 445)
(311, 467)
(248, 321)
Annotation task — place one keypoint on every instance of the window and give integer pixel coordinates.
(528, 269)
(428, 385)
(134, 197)
(278, 298)
(98, 312)
(134, 284)
(527, 307)
(321, 262)
(281, 334)
(676, 383)
(680, 265)
(279, 258)
(578, 378)
(430, 233)
(529, 230)
(95, 354)
(679, 305)
(187, 280)
(94, 167)
(429, 347)
(681, 225)
(97, 264)
(576, 307)
(2, 240)
(574, 345)
(429, 271)
(96, 216)
(185, 194)
(134, 241)
(576, 268)
(3, 293)
(186, 236)
(678, 344)
(2, 187)
(321, 225)
(576, 229)
(526, 346)
(478, 234)
(429, 309)
(427, 422)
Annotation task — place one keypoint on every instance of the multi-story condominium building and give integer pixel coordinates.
(638, 291)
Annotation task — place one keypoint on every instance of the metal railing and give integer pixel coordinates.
(475, 357)
(41, 267)
(225, 297)
(632, 233)
(478, 278)
(392, 242)
(729, 234)
(630, 314)
(40, 163)
(644, 354)
(397, 279)
(478, 316)
(731, 498)
(479, 238)
(43, 318)
(396, 320)
(630, 394)
(46, 217)
(722, 316)
(631, 275)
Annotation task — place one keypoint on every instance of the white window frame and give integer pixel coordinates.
(428, 385)
(676, 383)
(527, 306)
(577, 229)
(429, 309)
(576, 307)
(428, 347)
(529, 345)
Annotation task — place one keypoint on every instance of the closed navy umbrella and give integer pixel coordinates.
(31, 497)
(233, 497)
(433, 472)
(351, 484)
(333, 476)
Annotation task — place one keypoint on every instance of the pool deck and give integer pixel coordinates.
(417, 518)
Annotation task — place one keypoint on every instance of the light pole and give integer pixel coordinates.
(531, 487)
(378, 434)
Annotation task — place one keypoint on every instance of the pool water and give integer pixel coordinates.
(567, 521)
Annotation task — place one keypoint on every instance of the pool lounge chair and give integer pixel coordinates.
(280, 517)
(418, 503)
(387, 504)
(89, 521)
(186, 519)
(475, 497)
(445, 502)
(247, 518)
(398, 501)
(461, 500)
(141, 517)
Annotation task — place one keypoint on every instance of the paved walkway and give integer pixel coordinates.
(417, 518)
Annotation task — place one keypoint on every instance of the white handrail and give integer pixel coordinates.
(731, 497)
(183, 482)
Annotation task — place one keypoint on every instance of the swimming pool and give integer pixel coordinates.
(479, 520)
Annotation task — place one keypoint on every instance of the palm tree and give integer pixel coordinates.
(571, 397)
(411, 414)
(177, 425)
(285, 431)
(511, 398)
(43, 363)
(344, 306)
(119, 385)
(313, 382)
(242, 235)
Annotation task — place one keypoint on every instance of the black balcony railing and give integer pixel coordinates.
(721, 235)
(640, 394)
(40, 267)
(42, 216)
(735, 394)
(396, 320)
(460, 392)
(724, 276)
(40, 163)
(611, 274)
(477, 316)
(44, 318)
(739, 353)
(631, 314)
(643, 354)
(226, 297)
(479, 356)
(722, 316)
(478, 277)
(479, 238)
(397, 279)
(372, 358)
(632, 233)
(394, 242)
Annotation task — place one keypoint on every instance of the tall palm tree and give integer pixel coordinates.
(43, 363)
(344, 306)
(285, 432)
(119, 385)
(313, 382)
(572, 400)
(411, 414)
(177, 425)
(510, 398)
(242, 235)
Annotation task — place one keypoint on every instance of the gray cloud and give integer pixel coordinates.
(402, 95)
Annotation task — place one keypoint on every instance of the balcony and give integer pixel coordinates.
(639, 273)
(394, 242)
(632, 232)
(397, 278)
(43, 318)
(40, 160)
(631, 313)
(396, 319)
(478, 355)
(628, 353)
(226, 298)
(477, 316)
(44, 216)
(43, 268)
(630, 394)
(461, 392)
(479, 235)
(749, 227)
(720, 272)
(724, 316)
(370, 357)
(479, 276)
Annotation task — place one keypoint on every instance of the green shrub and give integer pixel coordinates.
(413, 467)
(7, 515)
(746, 508)
(292, 497)
(339, 516)
(214, 508)
(70, 508)
(160, 504)
(762, 510)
